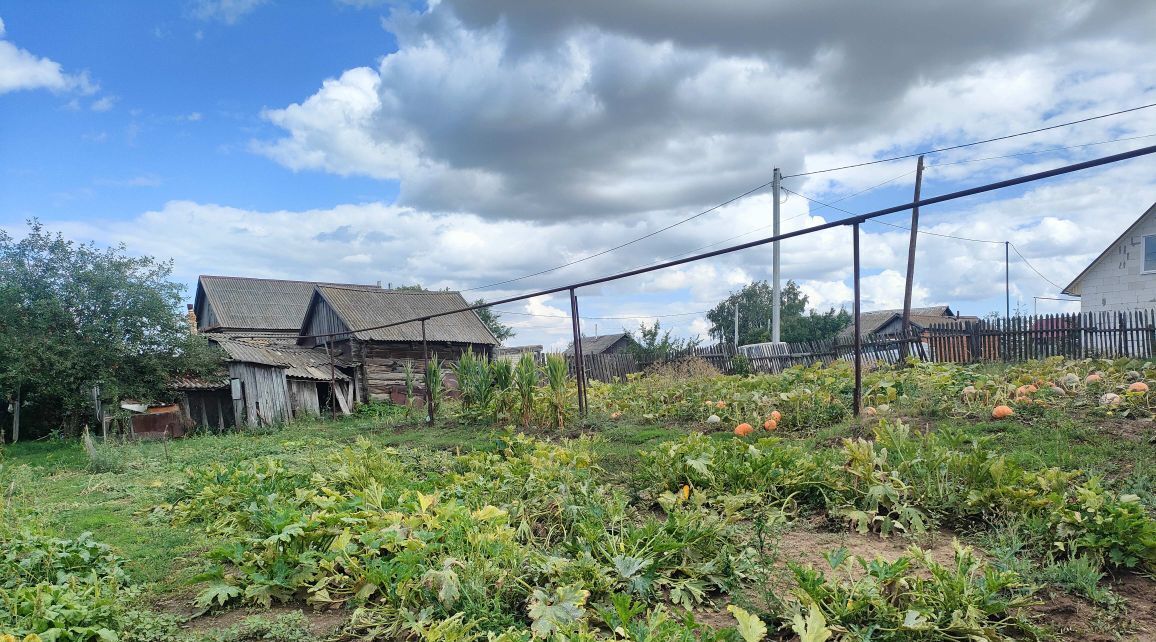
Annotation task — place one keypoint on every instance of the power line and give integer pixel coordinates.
(649, 316)
(973, 143)
(901, 227)
(854, 220)
(950, 236)
(764, 185)
(631, 242)
(1033, 268)
(1042, 151)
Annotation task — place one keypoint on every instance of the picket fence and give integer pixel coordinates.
(1074, 336)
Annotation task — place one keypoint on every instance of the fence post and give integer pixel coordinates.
(975, 341)
(857, 399)
(429, 407)
(1123, 330)
(579, 358)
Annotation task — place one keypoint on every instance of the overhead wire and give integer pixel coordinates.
(854, 220)
(766, 184)
(1041, 151)
(1033, 268)
(950, 236)
(973, 143)
(630, 242)
(583, 316)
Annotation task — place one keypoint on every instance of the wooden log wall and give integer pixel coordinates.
(383, 365)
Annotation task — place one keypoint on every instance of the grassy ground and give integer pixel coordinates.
(113, 495)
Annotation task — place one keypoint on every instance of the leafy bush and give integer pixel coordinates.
(912, 598)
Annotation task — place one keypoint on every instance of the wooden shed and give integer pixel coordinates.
(280, 383)
(380, 355)
(206, 402)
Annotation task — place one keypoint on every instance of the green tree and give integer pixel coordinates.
(493, 321)
(651, 343)
(73, 316)
(756, 301)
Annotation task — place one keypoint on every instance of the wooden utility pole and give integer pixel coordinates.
(911, 257)
(776, 305)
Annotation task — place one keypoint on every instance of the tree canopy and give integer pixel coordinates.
(652, 343)
(756, 301)
(73, 316)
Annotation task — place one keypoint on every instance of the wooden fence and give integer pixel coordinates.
(1075, 336)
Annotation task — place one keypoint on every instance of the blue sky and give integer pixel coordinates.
(465, 143)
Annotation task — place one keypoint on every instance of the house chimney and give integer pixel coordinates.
(379, 283)
(192, 319)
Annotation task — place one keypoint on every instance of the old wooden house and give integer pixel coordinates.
(617, 343)
(380, 355)
(249, 307)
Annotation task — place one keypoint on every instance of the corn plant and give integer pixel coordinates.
(502, 382)
(434, 386)
(557, 376)
(475, 383)
(525, 382)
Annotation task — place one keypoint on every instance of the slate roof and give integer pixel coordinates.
(367, 308)
(256, 304)
(299, 363)
(873, 320)
(598, 344)
(185, 382)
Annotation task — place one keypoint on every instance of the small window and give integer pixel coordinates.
(1150, 253)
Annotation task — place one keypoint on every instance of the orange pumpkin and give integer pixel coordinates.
(1095, 376)
(1002, 412)
(776, 416)
(870, 411)
(721, 404)
(742, 430)
(615, 415)
(709, 402)
(770, 424)
(1139, 386)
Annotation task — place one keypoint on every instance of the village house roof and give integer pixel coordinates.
(1073, 288)
(367, 308)
(873, 321)
(299, 363)
(601, 343)
(243, 303)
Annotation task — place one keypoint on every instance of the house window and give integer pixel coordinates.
(1150, 253)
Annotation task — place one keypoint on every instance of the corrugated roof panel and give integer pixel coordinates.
(299, 363)
(260, 304)
(365, 308)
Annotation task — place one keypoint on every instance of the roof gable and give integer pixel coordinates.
(872, 321)
(253, 304)
(600, 343)
(360, 308)
(1073, 288)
